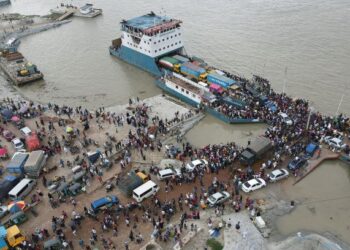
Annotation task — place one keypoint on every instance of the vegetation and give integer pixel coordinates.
(214, 244)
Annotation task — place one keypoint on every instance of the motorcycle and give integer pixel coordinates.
(109, 187)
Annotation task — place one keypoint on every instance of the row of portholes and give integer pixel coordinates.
(167, 47)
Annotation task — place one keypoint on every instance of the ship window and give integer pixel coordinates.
(154, 43)
(155, 51)
(172, 45)
(176, 86)
(150, 39)
(159, 41)
(182, 89)
(149, 51)
(144, 41)
(179, 34)
(163, 40)
(186, 92)
(175, 35)
(168, 46)
(175, 43)
(163, 47)
(193, 95)
(171, 37)
(179, 41)
(167, 38)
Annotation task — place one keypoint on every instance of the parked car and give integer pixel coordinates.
(26, 131)
(3, 211)
(217, 198)
(278, 174)
(199, 163)
(17, 144)
(8, 135)
(297, 163)
(253, 184)
(104, 202)
(335, 142)
(285, 118)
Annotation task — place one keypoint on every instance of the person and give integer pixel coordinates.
(238, 226)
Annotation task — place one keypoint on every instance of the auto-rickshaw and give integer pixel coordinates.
(78, 177)
(53, 244)
(16, 219)
(14, 236)
(75, 189)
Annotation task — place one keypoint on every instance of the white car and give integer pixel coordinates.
(253, 184)
(286, 119)
(196, 164)
(26, 131)
(278, 174)
(217, 198)
(17, 144)
(335, 142)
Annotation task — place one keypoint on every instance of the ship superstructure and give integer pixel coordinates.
(147, 38)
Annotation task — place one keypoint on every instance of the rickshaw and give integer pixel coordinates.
(16, 219)
(53, 244)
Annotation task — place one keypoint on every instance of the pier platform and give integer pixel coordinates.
(314, 162)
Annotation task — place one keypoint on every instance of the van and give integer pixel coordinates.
(145, 190)
(22, 189)
(168, 173)
(35, 163)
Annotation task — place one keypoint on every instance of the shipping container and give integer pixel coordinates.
(181, 59)
(223, 81)
(192, 70)
(168, 61)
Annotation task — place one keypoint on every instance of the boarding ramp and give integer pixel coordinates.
(66, 15)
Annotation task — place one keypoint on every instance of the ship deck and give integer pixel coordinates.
(185, 85)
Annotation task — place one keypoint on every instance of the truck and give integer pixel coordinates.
(221, 80)
(255, 150)
(169, 62)
(181, 59)
(193, 70)
(16, 165)
(10, 237)
(35, 163)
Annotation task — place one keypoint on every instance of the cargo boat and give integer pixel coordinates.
(154, 44)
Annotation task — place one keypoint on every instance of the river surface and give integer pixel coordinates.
(325, 203)
(309, 37)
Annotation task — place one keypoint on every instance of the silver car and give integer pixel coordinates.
(278, 174)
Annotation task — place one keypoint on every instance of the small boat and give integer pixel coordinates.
(88, 11)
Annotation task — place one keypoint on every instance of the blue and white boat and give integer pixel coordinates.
(154, 44)
(147, 38)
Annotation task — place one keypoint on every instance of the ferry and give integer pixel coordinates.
(154, 44)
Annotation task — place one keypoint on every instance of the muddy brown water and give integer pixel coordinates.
(325, 202)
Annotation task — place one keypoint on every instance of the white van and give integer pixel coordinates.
(168, 173)
(22, 189)
(145, 190)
